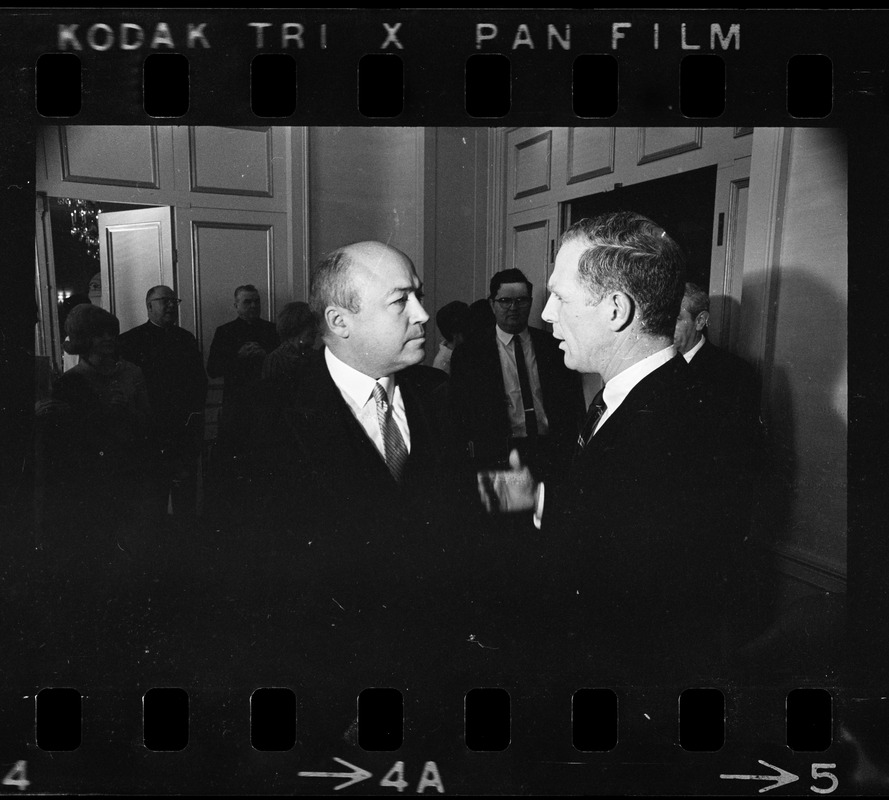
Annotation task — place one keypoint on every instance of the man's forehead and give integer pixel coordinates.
(513, 289)
(564, 268)
(390, 271)
(248, 296)
(157, 294)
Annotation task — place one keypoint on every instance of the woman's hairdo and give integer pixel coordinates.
(84, 323)
(294, 319)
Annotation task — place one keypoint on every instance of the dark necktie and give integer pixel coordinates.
(594, 414)
(525, 385)
(393, 442)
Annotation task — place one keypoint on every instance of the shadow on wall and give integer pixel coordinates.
(801, 508)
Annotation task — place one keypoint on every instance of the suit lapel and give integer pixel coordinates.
(702, 359)
(425, 446)
(329, 433)
(649, 389)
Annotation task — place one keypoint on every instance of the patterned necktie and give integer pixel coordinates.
(525, 385)
(594, 414)
(393, 442)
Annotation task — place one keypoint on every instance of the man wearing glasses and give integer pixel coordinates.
(177, 389)
(510, 388)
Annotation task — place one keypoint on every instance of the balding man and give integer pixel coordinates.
(352, 499)
(633, 566)
(352, 452)
(177, 390)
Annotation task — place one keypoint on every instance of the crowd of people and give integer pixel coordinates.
(397, 514)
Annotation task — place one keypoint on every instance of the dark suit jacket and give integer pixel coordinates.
(726, 381)
(726, 392)
(228, 339)
(477, 396)
(633, 565)
(174, 372)
(360, 554)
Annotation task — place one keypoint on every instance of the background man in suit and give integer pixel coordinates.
(726, 391)
(237, 353)
(177, 390)
(632, 568)
(239, 346)
(509, 388)
(723, 379)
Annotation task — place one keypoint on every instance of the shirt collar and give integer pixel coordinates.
(505, 338)
(691, 353)
(623, 383)
(358, 386)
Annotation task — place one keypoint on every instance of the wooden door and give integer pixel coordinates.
(135, 253)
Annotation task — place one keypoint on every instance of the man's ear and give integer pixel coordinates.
(702, 320)
(621, 309)
(337, 321)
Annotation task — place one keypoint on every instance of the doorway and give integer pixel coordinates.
(76, 246)
(75, 243)
(682, 204)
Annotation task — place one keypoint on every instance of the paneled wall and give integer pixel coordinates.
(230, 191)
(456, 217)
(261, 205)
(366, 183)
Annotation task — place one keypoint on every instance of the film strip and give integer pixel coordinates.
(469, 139)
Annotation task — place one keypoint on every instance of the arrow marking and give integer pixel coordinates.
(355, 776)
(783, 777)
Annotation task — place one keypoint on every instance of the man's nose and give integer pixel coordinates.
(550, 310)
(418, 313)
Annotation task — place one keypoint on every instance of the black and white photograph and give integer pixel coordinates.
(461, 454)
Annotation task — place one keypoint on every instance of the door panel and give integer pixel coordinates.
(529, 247)
(135, 253)
(227, 249)
(727, 260)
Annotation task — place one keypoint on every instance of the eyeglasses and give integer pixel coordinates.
(509, 302)
(167, 301)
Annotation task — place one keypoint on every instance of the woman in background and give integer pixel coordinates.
(297, 330)
(97, 466)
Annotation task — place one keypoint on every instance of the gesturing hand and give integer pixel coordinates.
(508, 490)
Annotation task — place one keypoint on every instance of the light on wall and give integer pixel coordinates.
(84, 222)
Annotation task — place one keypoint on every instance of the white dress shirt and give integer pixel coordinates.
(617, 389)
(511, 381)
(357, 390)
(691, 353)
(443, 357)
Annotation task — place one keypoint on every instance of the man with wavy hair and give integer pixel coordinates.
(632, 565)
